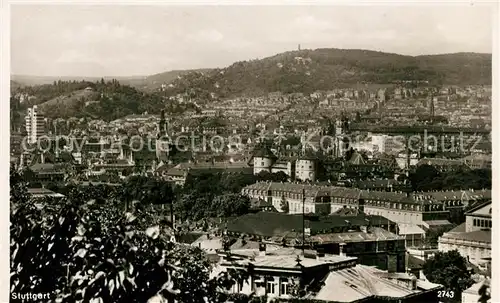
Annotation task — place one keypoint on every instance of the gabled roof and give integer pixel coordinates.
(459, 195)
(176, 171)
(266, 224)
(475, 236)
(374, 234)
(313, 190)
(458, 229)
(264, 152)
(365, 284)
(356, 159)
(271, 224)
(477, 207)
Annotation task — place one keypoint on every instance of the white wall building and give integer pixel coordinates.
(472, 239)
(35, 124)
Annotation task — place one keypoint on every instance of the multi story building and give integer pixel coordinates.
(35, 124)
(396, 206)
(296, 168)
(472, 239)
(285, 272)
(373, 239)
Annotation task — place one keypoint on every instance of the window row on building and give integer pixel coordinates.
(482, 223)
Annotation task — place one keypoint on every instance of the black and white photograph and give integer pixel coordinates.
(209, 153)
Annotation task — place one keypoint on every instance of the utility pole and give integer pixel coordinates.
(303, 219)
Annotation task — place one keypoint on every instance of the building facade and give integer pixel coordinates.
(35, 124)
(395, 206)
(472, 239)
(296, 168)
(285, 273)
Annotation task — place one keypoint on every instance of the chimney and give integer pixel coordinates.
(320, 253)
(391, 263)
(341, 249)
(262, 249)
(361, 205)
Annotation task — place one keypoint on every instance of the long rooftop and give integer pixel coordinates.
(313, 190)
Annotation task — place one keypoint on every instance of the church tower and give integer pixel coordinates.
(163, 144)
(162, 125)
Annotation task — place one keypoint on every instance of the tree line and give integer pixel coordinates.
(89, 250)
(428, 178)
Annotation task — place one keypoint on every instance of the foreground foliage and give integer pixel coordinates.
(91, 251)
(450, 270)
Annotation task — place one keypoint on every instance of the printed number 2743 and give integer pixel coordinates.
(446, 294)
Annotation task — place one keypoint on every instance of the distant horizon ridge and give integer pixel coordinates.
(138, 77)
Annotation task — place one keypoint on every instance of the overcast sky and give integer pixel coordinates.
(137, 40)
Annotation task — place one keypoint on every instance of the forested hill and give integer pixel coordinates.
(295, 71)
(323, 69)
(107, 100)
